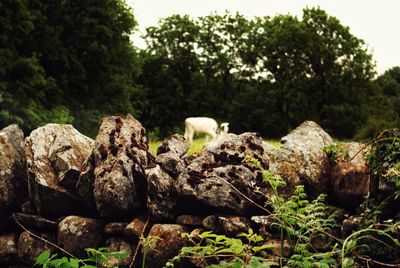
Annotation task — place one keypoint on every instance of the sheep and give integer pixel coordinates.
(205, 125)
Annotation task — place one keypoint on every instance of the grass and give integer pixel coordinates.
(198, 144)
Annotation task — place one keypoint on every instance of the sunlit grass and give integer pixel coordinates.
(198, 144)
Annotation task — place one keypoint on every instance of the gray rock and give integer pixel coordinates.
(225, 189)
(77, 233)
(162, 195)
(121, 155)
(168, 245)
(13, 179)
(8, 248)
(55, 154)
(351, 179)
(175, 144)
(171, 163)
(301, 160)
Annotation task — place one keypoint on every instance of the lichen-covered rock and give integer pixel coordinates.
(168, 245)
(301, 160)
(85, 184)
(351, 180)
(55, 154)
(13, 180)
(227, 225)
(77, 233)
(162, 195)
(121, 155)
(8, 249)
(224, 189)
(30, 247)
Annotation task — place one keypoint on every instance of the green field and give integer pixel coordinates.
(198, 144)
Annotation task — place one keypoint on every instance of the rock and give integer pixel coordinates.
(169, 243)
(30, 247)
(8, 249)
(175, 144)
(35, 222)
(219, 189)
(55, 154)
(301, 160)
(192, 220)
(350, 224)
(232, 149)
(115, 228)
(28, 208)
(119, 245)
(85, 184)
(172, 164)
(227, 225)
(77, 233)
(351, 180)
(162, 195)
(121, 155)
(136, 228)
(13, 180)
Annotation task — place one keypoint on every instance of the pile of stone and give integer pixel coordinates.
(61, 189)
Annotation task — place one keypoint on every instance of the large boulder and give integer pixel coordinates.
(301, 160)
(76, 233)
(351, 179)
(13, 180)
(121, 155)
(55, 154)
(217, 181)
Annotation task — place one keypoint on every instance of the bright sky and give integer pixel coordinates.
(376, 22)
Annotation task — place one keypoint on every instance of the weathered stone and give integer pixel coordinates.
(301, 160)
(193, 220)
(232, 149)
(350, 224)
(77, 233)
(121, 155)
(351, 179)
(162, 195)
(175, 144)
(13, 181)
(30, 247)
(169, 244)
(54, 155)
(227, 225)
(119, 245)
(35, 222)
(115, 228)
(8, 249)
(172, 164)
(136, 228)
(224, 189)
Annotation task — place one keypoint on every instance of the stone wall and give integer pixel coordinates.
(75, 192)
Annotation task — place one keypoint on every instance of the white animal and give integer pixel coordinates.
(223, 129)
(203, 125)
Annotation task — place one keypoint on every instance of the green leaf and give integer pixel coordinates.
(43, 257)
(347, 262)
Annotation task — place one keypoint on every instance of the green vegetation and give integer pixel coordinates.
(97, 258)
(266, 74)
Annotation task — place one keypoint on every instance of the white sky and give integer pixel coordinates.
(377, 22)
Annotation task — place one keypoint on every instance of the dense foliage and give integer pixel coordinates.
(72, 62)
